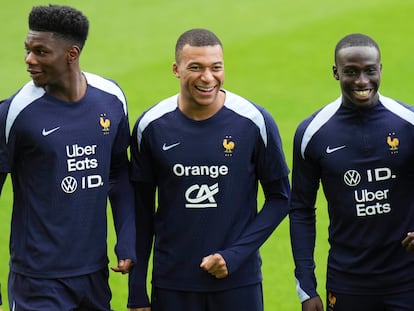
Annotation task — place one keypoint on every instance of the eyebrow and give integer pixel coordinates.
(200, 63)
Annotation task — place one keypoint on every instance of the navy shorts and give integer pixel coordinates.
(81, 293)
(247, 298)
(403, 301)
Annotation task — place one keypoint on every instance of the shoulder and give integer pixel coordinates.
(244, 107)
(106, 85)
(11, 108)
(154, 113)
(251, 111)
(398, 108)
(157, 111)
(320, 117)
(23, 98)
(312, 124)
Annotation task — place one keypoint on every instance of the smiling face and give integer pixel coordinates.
(201, 73)
(47, 58)
(358, 69)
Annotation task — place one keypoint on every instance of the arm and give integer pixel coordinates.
(145, 208)
(272, 171)
(144, 189)
(313, 304)
(408, 242)
(272, 213)
(2, 180)
(121, 198)
(305, 184)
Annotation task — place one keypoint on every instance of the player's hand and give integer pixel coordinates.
(408, 242)
(140, 309)
(215, 265)
(312, 304)
(124, 266)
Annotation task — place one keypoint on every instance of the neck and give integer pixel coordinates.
(199, 112)
(71, 90)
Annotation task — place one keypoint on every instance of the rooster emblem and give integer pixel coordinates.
(105, 123)
(393, 142)
(331, 301)
(228, 146)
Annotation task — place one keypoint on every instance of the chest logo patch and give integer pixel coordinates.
(201, 196)
(393, 142)
(331, 150)
(228, 145)
(105, 123)
(166, 147)
(48, 132)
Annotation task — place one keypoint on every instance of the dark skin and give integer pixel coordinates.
(201, 74)
(408, 242)
(358, 70)
(53, 63)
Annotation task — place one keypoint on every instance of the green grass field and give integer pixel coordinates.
(277, 53)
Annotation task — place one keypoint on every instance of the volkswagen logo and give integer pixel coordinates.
(69, 184)
(352, 178)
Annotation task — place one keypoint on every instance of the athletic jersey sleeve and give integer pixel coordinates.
(4, 158)
(272, 213)
(122, 203)
(121, 195)
(305, 183)
(273, 175)
(144, 212)
(4, 154)
(2, 180)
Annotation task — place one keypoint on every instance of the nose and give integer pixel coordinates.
(207, 75)
(362, 79)
(29, 58)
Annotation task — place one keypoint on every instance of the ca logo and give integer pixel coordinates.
(201, 196)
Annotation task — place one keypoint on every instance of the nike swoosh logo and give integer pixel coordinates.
(166, 147)
(330, 150)
(48, 132)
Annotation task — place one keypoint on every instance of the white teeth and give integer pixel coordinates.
(205, 89)
(362, 93)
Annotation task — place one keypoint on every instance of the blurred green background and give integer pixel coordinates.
(278, 54)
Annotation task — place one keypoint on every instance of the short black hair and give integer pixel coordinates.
(196, 37)
(64, 21)
(355, 39)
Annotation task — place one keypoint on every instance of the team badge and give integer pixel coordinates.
(105, 123)
(331, 302)
(228, 145)
(393, 142)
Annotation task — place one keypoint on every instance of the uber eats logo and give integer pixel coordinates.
(369, 202)
(81, 158)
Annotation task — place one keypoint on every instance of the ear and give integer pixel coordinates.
(72, 54)
(176, 70)
(335, 72)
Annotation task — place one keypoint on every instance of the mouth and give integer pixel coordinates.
(33, 73)
(363, 93)
(205, 89)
